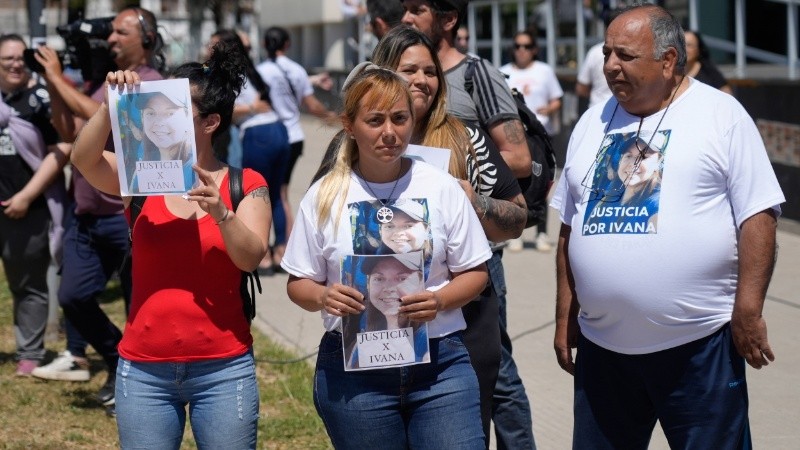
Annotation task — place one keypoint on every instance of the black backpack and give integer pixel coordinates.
(535, 187)
(250, 280)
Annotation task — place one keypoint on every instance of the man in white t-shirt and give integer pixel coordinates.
(668, 205)
(591, 80)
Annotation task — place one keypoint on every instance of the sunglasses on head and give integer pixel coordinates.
(525, 46)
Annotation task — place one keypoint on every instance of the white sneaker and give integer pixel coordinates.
(65, 368)
(543, 243)
(515, 245)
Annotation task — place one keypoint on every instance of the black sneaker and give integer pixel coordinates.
(106, 393)
(111, 411)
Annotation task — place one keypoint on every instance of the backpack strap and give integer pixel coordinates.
(250, 280)
(469, 75)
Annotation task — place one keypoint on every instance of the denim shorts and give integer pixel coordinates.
(222, 395)
(432, 405)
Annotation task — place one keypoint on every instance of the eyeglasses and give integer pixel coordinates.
(8, 61)
(525, 46)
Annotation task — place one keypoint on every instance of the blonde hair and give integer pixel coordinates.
(441, 129)
(378, 89)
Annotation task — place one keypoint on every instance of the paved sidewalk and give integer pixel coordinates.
(530, 275)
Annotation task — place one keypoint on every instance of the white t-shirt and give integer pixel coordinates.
(660, 270)
(247, 96)
(538, 84)
(455, 240)
(591, 74)
(278, 75)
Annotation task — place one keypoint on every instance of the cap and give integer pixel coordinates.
(178, 97)
(410, 208)
(657, 141)
(412, 261)
(459, 5)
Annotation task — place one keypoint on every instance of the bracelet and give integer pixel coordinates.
(485, 206)
(224, 216)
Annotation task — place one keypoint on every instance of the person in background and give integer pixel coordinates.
(591, 81)
(538, 84)
(699, 65)
(187, 262)
(432, 405)
(264, 139)
(32, 196)
(462, 39)
(663, 333)
(96, 238)
(290, 89)
(491, 107)
(384, 15)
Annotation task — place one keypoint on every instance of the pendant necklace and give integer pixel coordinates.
(384, 214)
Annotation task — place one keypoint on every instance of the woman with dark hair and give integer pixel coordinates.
(699, 65)
(265, 141)
(187, 341)
(290, 89)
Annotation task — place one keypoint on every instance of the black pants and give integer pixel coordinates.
(482, 338)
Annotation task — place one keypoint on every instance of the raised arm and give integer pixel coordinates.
(99, 167)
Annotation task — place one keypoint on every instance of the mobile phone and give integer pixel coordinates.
(31, 61)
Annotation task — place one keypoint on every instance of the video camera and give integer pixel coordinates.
(86, 48)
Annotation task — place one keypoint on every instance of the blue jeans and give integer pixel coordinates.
(433, 405)
(94, 247)
(511, 411)
(265, 149)
(696, 391)
(222, 395)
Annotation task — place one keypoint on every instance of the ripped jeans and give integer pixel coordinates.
(222, 395)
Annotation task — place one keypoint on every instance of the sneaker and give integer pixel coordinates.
(65, 368)
(106, 393)
(543, 243)
(111, 411)
(515, 245)
(26, 366)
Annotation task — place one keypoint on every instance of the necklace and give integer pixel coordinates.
(384, 214)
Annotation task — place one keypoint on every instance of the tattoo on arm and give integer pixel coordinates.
(262, 192)
(506, 214)
(514, 131)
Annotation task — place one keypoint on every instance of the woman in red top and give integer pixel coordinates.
(187, 341)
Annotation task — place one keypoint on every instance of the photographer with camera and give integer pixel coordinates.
(96, 237)
(31, 199)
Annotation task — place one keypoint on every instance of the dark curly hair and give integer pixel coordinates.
(216, 83)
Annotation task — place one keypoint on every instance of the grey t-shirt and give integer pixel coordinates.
(491, 99)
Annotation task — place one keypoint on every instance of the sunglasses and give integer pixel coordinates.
(525, 46)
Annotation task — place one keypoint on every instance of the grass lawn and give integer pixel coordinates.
(38, 414)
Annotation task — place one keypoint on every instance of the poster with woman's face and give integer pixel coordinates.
(381, 336)
(624, 186)
(153, 130)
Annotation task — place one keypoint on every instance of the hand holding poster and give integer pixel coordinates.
(153, 131)
(381, 336)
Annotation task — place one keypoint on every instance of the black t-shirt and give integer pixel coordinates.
(492, 178)
(710, 75)
(33, 105)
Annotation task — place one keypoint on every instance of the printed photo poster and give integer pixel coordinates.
(396, 226)
(435, 156)
(624, 195)
(380, 336)
(153, 135)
